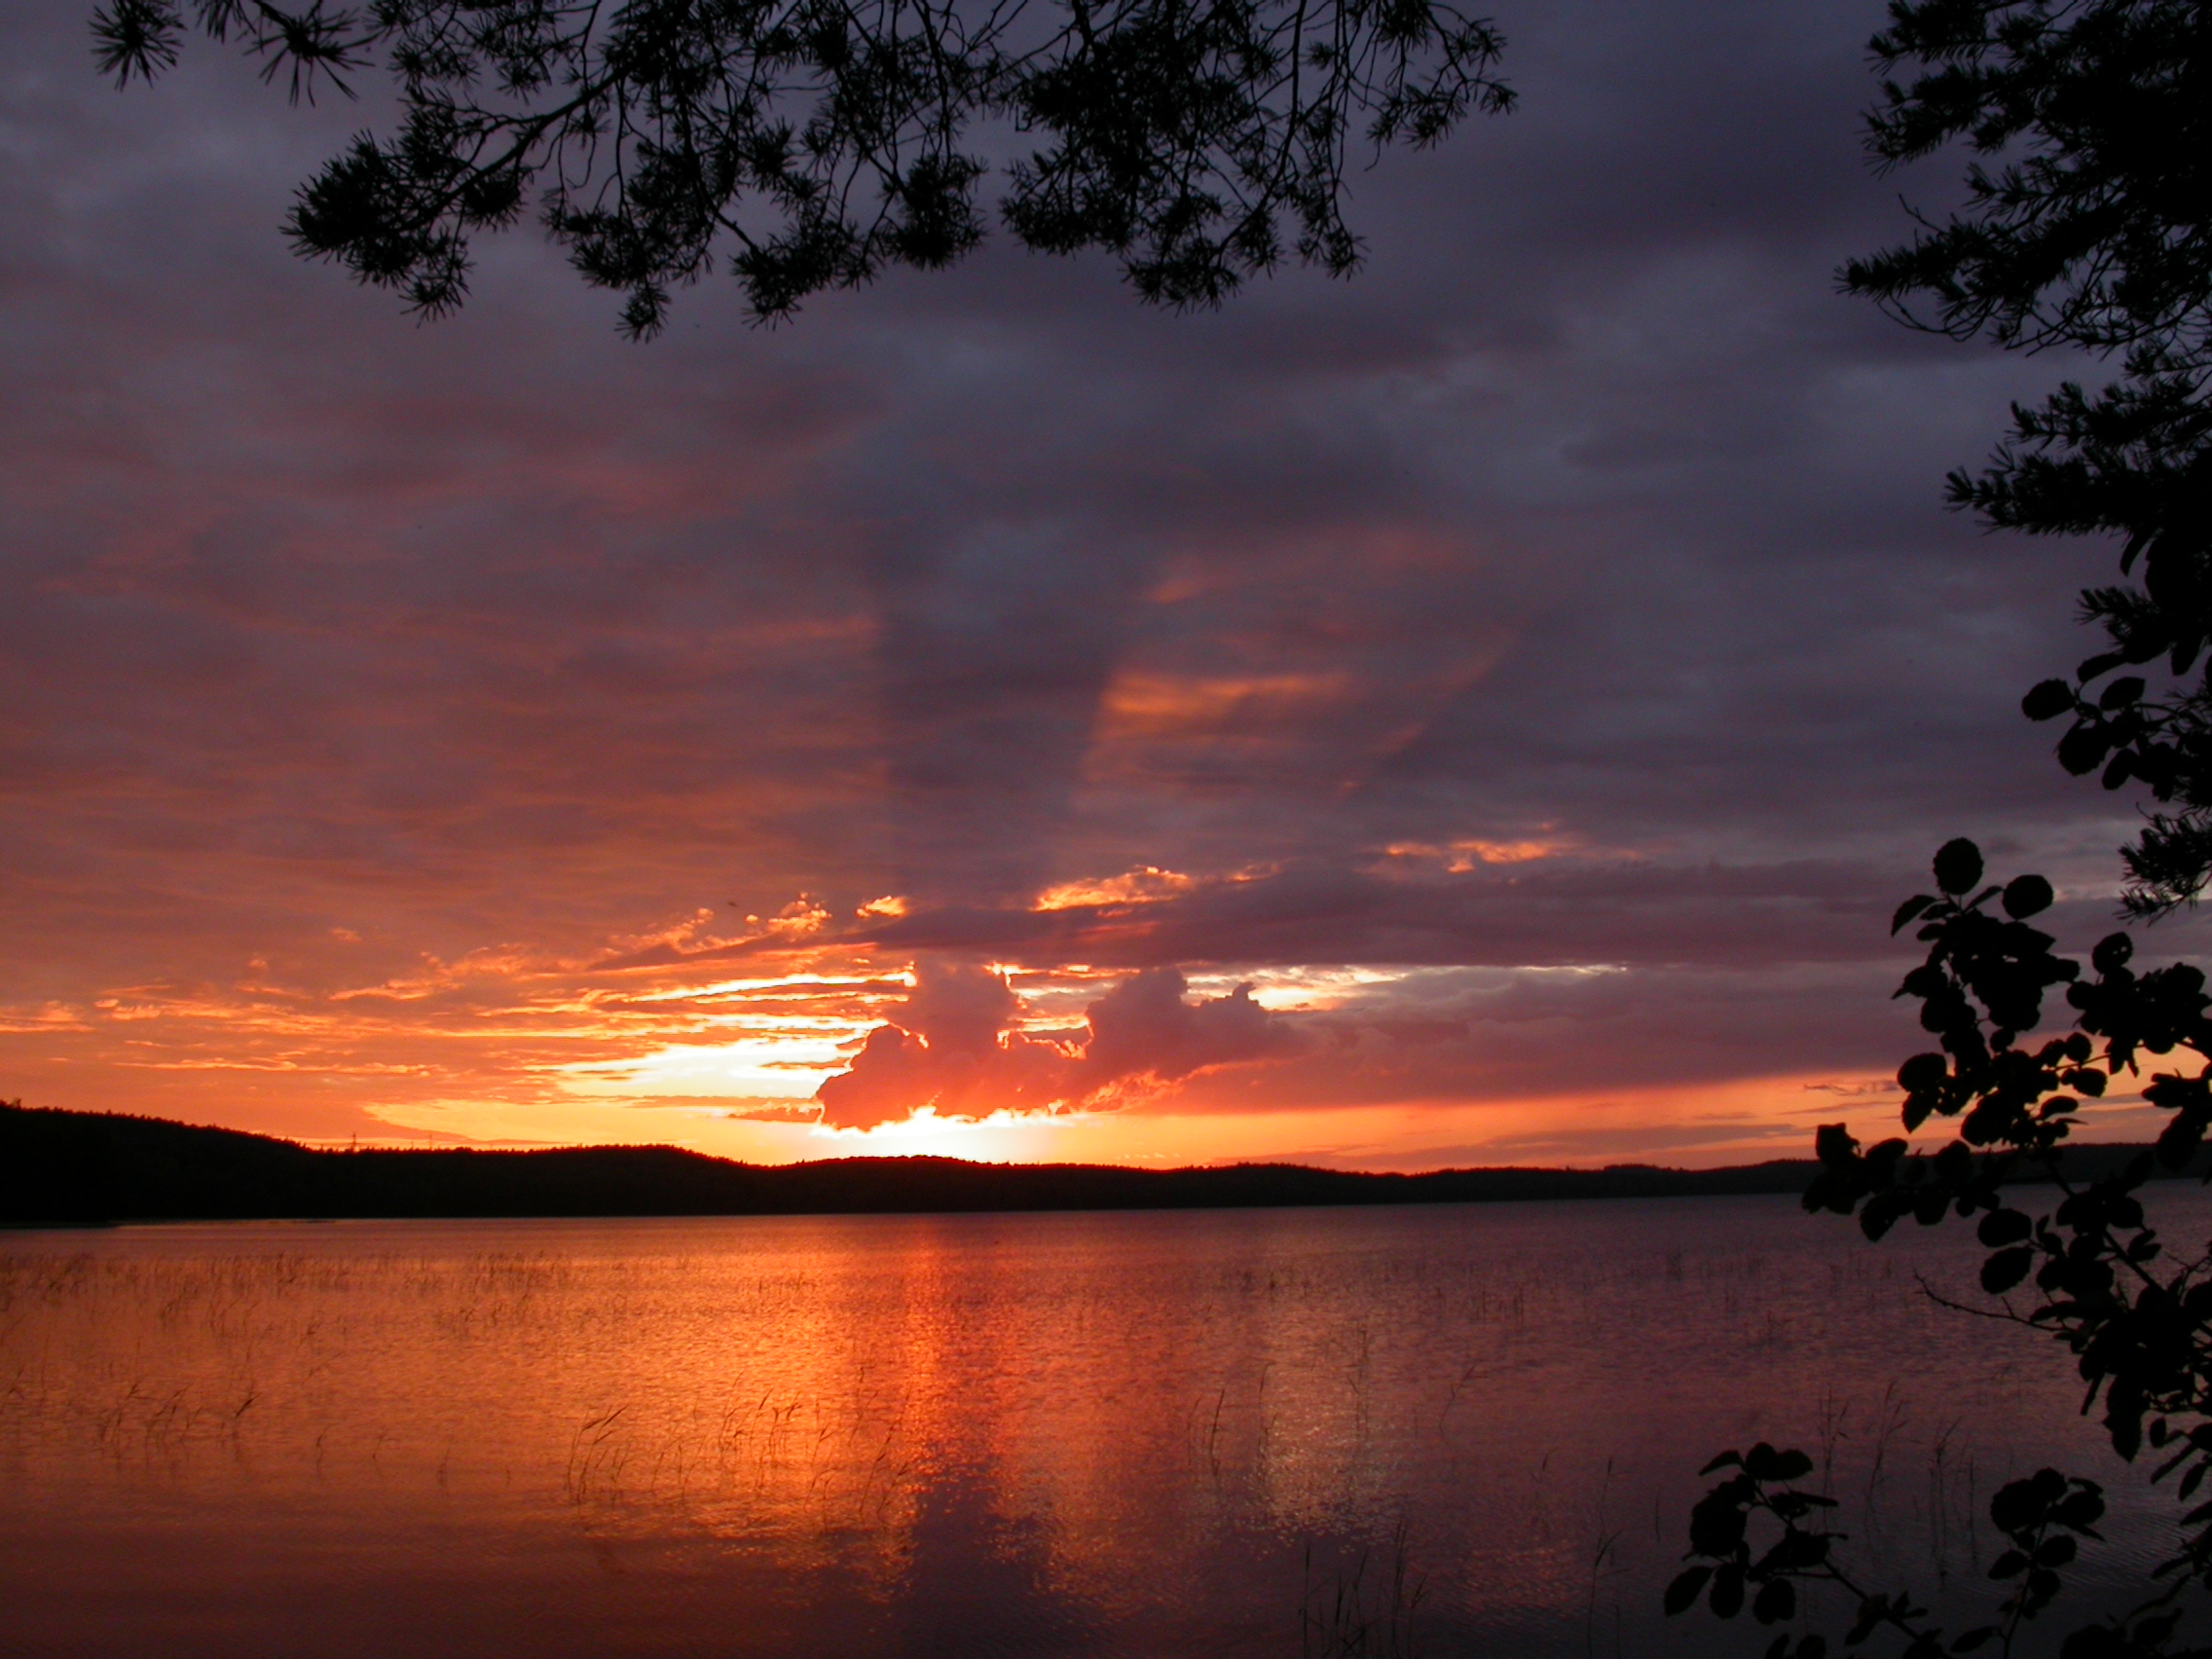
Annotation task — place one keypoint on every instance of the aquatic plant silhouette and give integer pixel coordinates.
(1366, 1609)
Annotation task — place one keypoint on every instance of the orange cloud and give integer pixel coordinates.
(1461, 857)
(1150, 704)
(1142, 885)
(956, 1049)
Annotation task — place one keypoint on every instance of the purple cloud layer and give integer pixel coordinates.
(1567, 591)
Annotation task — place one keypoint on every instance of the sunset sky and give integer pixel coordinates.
(1481, 712)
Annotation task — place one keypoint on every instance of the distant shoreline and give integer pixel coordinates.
(61, 1168)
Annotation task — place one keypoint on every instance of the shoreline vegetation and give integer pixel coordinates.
(61, 1168)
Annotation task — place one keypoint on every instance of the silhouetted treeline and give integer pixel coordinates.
(77, 1167)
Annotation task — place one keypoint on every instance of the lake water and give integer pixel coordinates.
(1445, 1430)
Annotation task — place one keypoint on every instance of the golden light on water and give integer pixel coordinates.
(1086, 1434)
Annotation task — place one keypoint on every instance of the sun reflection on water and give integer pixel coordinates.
(1074, 1434)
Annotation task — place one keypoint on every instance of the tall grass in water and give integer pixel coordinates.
(1365, 1611)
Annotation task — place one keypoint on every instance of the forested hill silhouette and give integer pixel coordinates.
(61, 1167)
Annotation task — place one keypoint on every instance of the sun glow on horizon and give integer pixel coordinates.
(1002, 1057)
(1002, 1136)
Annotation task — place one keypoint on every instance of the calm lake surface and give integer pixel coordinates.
(1445, 1430)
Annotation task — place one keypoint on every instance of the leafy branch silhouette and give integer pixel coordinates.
(2089, 1271)
(2083, 226)
(2088, 127)
(808, 144)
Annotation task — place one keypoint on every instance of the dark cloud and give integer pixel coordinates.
(1558, 911)
(1568, 591)
(1499, 1036)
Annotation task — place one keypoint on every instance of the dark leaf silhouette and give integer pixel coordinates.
(2006, 1269)
(1682, 1593)
(1958, 867)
